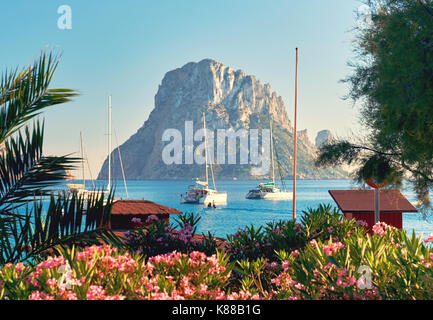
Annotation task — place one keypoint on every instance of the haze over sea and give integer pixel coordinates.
(240, 212)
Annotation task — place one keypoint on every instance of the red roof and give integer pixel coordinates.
(363, 201)
(140, 207)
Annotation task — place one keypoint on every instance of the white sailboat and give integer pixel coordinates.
(269, 191)
(80, 189)
(201, 192)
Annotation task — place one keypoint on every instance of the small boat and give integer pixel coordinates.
(194, 193)
(268, 190)
(201, 193)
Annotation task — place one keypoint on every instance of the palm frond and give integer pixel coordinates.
(24, 94)
(24, 172)
(68, 219)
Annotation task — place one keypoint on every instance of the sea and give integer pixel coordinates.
(240, 212)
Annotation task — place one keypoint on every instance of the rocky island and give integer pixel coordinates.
(230, 99)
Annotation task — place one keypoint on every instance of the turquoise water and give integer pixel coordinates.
(240, 212)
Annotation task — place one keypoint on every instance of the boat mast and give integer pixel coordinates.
(294, 139)
(121, 164)
(272, 156)
(109, 143)
(205, 149)
(82, 160)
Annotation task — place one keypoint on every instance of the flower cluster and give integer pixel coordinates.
(284, 260)
(331, 248)
(158, 237)
(381, 228)
(429, 238)
(103, 273)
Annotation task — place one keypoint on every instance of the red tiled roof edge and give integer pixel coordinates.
(363, 201)
(137, 207)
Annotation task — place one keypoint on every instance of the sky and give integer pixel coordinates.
(124, 48)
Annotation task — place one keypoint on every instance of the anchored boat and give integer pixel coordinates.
(201, 193)
(269, 191)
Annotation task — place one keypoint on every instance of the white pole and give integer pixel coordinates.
(109, 143)
(272, 156)
(82, 160)
(205, 149)
(121, 164)
(294, 139)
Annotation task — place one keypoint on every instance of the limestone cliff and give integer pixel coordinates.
(230, 100)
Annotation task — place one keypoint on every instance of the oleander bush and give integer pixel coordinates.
(321, 223)
(102, 272)
(386, 265)
(156, 236)
(308, 262)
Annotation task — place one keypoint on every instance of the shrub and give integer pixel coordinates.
(158, 237)
(101, 272)
(320, 224)
(397, 266)
(388, 264)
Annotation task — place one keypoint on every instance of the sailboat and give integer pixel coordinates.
(269, 191)
(80, 189)
(201, 192)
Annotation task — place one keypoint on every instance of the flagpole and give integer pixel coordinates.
(294, 138)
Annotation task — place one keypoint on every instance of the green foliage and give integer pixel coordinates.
(399, 267)
(27, 228)
(104, 273)
(388, 264)
(392, 82)
(325, 222)
(68, 220)
(158, 237)
(287, 235)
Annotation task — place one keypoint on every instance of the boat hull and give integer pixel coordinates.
(253, 195)
(283, 195)
(187, 200)
(219, 198)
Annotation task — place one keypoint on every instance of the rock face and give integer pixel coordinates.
(230, 100)
(323, 137)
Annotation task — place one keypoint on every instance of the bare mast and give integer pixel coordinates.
(294, 138)
(82, 160)
(272, 156)
(109, 143)
(205, 150)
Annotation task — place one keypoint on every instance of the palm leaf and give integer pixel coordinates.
(24, 94)
(68, 220)
(24, 172)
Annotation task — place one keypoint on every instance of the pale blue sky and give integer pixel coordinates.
(124, 48)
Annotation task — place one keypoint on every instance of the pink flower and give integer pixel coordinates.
(95, 293)
(381, 228)
(136, 220)
(294, 253)
(52, 283)
(362, 223)
(152, 218)
(19, 267)
(332, 248)
(429, 238)
(313, 243)
(67, 295)
(40, 296)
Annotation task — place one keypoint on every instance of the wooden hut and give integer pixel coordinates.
(124, 211)
(359, 205)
